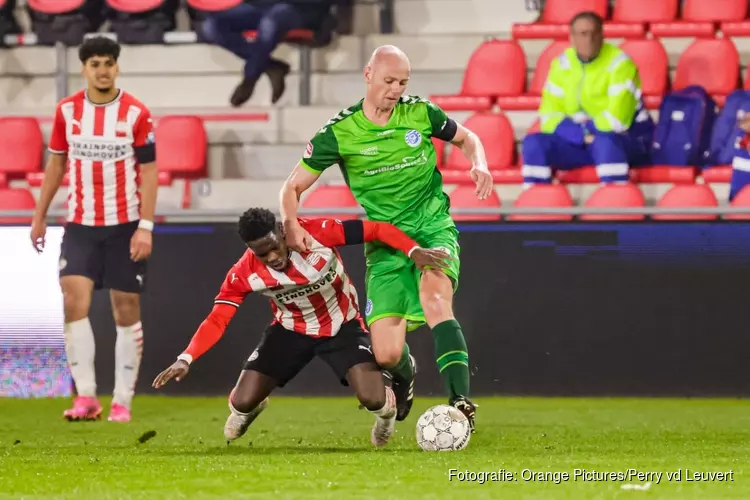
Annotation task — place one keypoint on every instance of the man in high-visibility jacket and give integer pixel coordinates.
(591, 111)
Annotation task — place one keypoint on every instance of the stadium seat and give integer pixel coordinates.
(687, 195)
(465, 197)
(496, 134)
(644, 11)
(615, 196)
(181, 148)
(712, 64)
(531, 100)
(141, 21)
(660, 174)
(16, 199)
(497, 68)
(65, 21)
(556, 15)
(717, 174)
(3, 180)
(700, 17)
(741, 199)
(543, 196)
(653, 66)
(331, 196)
(21, 146)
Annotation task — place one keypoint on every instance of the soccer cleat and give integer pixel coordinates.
(465, 406)
(384, 424)
(119, 413)
(84, 408)
(237, 423)
(404, 392)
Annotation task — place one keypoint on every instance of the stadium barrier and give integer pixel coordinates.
(646, 308)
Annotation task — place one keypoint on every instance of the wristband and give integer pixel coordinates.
(416, 247)
(146, 224)
(187, 358)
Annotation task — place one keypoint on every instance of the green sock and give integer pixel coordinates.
(452, 357)
(403, 370)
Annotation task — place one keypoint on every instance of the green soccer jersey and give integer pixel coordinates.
(391, 170)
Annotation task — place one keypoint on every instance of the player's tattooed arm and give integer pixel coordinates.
(470, 145)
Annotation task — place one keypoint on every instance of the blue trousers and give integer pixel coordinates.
(740, 172)
(272, 23)
(611, 153)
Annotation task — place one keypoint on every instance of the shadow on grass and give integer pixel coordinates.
(244, 449)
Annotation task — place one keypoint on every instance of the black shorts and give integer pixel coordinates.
(102, 253)
(282, 353)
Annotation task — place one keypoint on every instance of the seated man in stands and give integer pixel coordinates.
(272, 19)
(741, 160)
(591, 111)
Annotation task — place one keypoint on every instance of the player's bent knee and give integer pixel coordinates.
(388, 355)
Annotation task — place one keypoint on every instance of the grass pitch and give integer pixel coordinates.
(319, 448)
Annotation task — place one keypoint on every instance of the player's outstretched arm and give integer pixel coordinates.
(53, 177)
(473, 150)
(299, 181)
(208, 334)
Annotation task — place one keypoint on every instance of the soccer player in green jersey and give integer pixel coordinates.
(383, 148)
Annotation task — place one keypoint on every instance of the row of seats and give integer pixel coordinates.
(497, 73)
(613, 196)
(182, 143)
(638, 18)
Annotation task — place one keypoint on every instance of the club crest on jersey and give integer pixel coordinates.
(308, 150)
(368, 307)
(413, 138)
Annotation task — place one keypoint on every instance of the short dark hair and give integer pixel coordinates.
(590, 16)
(101, 46)
(256, 223)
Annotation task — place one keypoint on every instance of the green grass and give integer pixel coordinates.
(319, 448)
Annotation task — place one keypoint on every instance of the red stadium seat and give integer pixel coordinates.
(35, 179)
(21, 146)
(615, 196)
(712, 64)
(213, 5)
(496, 134)
(16, 199)
(717, 174)
(497, 68)
(653, 66)
(55, 6)
(556, 15)
(181, 148)
(531, 100)
(3, 180)
(699, 18)
(662, 174)
(741, 199)
(644, 11)
(543, 196)
(465, 197)
(688, 195)
(134, 6)
(332, 196)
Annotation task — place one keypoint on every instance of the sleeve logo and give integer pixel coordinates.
(308, 150)
(413, 138)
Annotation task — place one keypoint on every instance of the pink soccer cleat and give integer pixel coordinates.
(84, 408)
(119, 413)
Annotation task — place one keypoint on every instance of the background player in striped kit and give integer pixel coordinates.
(103, 138)
(316, 313)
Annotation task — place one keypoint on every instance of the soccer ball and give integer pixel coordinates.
(443, 428)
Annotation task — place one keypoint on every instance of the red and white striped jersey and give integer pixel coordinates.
(313, 296)
(101, 141)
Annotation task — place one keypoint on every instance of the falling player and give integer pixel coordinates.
(382, 145)
(104, 138)
(316, 313)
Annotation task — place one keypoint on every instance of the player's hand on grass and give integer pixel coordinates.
(297, 237)
(483, 181)
(140, 245)
(177, 371)
(430, 258)
(38, 233)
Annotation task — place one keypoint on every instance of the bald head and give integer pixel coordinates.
(387, 74)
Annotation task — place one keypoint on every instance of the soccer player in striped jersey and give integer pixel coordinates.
(103, 139)
(315, 313)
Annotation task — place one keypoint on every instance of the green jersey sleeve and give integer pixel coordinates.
(442, 126)
(322, 151)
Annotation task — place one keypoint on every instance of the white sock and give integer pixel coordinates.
(389, 408)
(80, 350)
(128, 352)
